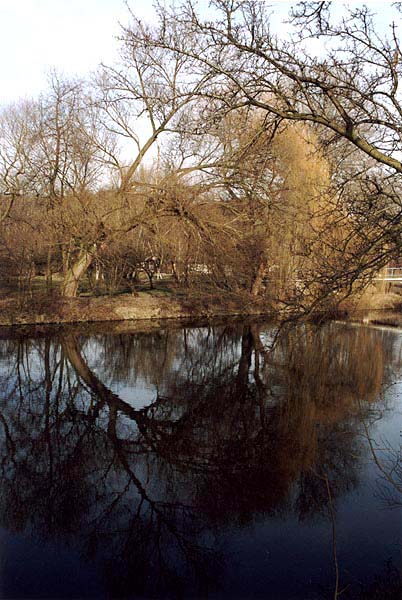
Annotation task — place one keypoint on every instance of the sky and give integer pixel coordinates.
(73, 36)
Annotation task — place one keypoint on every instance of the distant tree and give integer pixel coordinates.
(55, 149)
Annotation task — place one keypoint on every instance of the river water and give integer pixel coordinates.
(201, 462)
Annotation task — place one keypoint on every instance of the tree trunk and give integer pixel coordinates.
(75, 273)
(175, 272)
(48, 274)
(247, 347)
(259, 276)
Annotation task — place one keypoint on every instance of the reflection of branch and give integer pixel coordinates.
(165, 513)
(324, 478)
(105, 395)
(388, 475)
(115, 404)
(153, 430)
(331, 509)
(70, 348)
(9, 441)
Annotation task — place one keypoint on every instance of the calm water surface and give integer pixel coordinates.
(201, 463)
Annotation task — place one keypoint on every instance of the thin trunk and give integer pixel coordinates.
(259, 276)
(49, 270)
(175, 272)
(8, 208)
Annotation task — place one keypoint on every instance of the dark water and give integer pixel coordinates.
(201, 463)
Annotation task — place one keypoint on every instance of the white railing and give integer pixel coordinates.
(390, 274)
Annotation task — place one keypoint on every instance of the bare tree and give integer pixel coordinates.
(15, 145)
(148, 96)
(348, 91)
(54, 149)
(339, 89)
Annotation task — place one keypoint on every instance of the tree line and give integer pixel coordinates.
(246, 161)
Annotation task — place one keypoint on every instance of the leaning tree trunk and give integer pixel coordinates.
(76, 272)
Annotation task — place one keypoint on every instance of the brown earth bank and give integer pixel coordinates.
(124, 307)
(372, 306)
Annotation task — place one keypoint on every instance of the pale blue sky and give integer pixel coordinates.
(73, 36)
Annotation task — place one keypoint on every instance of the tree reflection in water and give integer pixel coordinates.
(234, 431)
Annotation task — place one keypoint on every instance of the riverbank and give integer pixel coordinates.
(155, 305)
(126, 307)
(374, 307)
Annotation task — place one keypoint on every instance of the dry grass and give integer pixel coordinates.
(374, 299)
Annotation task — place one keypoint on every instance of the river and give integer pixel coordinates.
(228, 461)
